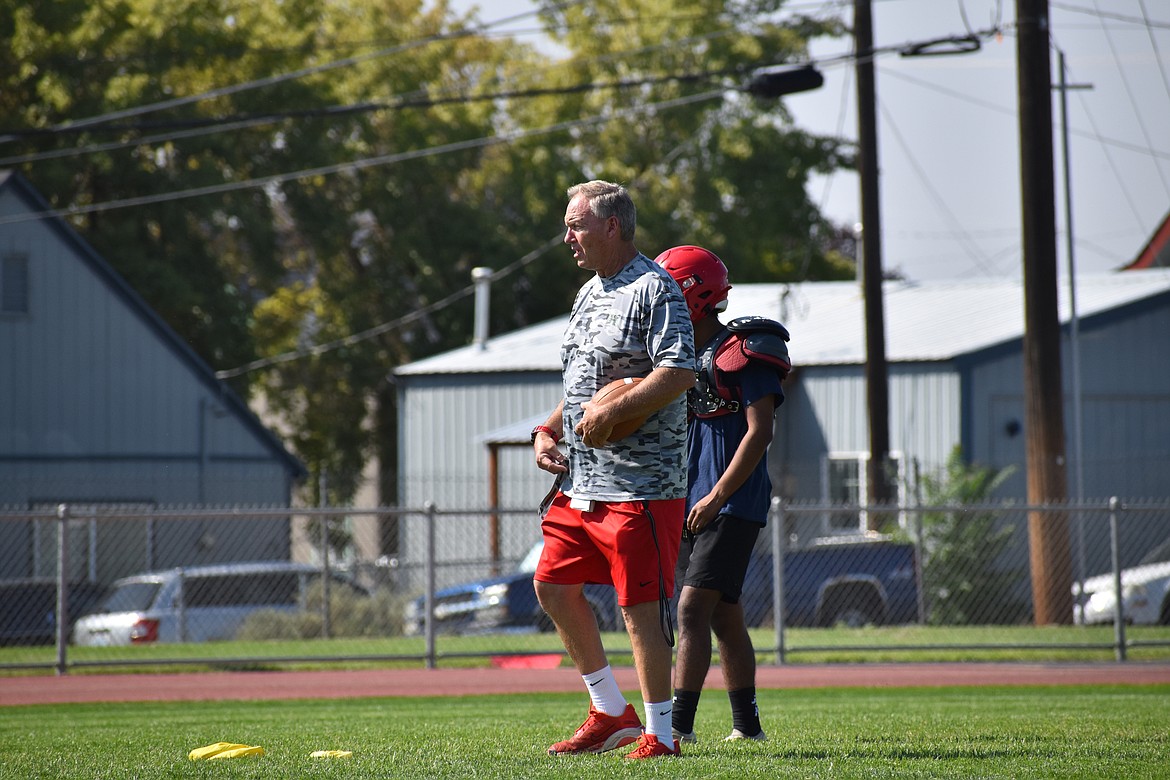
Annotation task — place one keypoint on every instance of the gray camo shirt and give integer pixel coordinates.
(624, 326)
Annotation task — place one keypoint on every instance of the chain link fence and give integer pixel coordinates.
(237, 587)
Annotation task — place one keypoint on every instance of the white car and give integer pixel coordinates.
(1145, 593)
(196, 604)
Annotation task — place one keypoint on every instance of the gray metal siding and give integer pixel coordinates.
(85, 376)
(442, 417)
(829, 416)
(1125, 392)
(924, 413)
(101, 404)
(1125, 386)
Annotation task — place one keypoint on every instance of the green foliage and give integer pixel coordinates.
(351, 614)
(848, 734)
(965, 581)
(383, 227)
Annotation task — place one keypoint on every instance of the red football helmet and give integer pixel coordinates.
(701, 275)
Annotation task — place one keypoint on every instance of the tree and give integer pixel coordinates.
(963, 575)
(431, 151)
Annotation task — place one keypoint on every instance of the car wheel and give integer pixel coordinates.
(852, 617)
(852, 606)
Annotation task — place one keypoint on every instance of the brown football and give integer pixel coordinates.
(610, 393)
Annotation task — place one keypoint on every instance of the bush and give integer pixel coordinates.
(351, 614)
(963, 578)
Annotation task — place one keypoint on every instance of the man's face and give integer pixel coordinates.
(586, 234)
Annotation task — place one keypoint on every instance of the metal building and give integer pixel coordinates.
(955, 380)
(102, 405)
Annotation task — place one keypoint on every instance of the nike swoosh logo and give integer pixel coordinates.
(594, 683)
(644, 584)
(664, 713)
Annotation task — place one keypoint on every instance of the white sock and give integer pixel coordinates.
(604, 691)
(658, 721)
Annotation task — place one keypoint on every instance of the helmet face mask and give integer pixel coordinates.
(701, 275)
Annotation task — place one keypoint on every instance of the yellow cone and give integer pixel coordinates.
(224, 750)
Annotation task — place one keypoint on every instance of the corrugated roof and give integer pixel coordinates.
(925, 321)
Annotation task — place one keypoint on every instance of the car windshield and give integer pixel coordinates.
(1160, 554)
(131, 597)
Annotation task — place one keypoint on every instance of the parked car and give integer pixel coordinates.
(28, 609)
(504, 603)
(853, 581)
(195, 604)
(1145, 592)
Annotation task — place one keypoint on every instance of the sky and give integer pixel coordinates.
(948, 131)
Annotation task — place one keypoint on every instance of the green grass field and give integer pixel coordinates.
(1042, 732)
(831, 645)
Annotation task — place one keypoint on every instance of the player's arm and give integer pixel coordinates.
(548, 457)
(661, 386)
(752, 448)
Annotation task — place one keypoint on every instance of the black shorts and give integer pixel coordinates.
(717, 558)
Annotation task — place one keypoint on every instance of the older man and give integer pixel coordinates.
(617, 515)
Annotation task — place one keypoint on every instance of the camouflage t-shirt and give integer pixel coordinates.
(625, 326)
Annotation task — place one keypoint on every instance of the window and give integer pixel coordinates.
(240, 590)
(14, 284)
(845, 484)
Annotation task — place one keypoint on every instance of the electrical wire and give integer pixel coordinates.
(361, 164)
(1094, 136)
(965, 241)
(1154, 46)
(1097, 12)
(290, 76)
(424, 102)
(386, 327)
(261, 121)
(1132, 100)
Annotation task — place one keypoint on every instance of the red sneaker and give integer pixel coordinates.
(601, 732)
(650, 747)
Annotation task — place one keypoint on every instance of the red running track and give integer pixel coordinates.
(241, 686)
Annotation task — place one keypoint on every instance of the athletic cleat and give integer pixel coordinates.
(650, 747)
(601, 732)
(684, 736)
(736, 735)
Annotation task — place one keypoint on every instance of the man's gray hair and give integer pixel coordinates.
(606, 200)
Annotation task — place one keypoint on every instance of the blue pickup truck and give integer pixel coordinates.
(851, 581)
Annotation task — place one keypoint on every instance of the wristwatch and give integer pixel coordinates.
(545, 429)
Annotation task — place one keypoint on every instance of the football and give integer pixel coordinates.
(610, 393)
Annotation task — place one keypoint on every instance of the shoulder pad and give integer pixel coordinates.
(754, 323)
(764, 344)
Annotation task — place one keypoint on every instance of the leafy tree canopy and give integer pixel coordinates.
(357, 159)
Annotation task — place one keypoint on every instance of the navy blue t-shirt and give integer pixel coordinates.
(711, 444)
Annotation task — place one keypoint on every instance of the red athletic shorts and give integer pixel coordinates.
(632, 545)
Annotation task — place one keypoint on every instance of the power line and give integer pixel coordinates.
(1094, 136)
(280, 78)
(966, 241)
(1154, 46)
(357, 165)
(270, 119)
(1133, 101)
(422, 102)
(386, 327)
(1141, 22)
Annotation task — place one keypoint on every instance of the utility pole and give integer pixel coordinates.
(876, 372)
(1048, 536)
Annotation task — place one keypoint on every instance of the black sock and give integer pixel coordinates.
(682, 717)
(745, 715)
